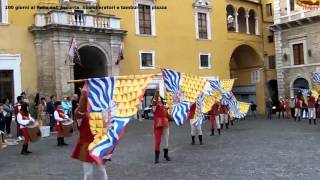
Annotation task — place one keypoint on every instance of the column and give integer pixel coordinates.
(236, 21)
(247, 23)
(288, 7)
(257, 25)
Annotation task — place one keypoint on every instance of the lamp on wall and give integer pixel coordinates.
(285, 56)
(310, 52)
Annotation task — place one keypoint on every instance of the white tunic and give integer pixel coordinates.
(23, 122)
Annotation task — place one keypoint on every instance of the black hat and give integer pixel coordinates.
(57, 103)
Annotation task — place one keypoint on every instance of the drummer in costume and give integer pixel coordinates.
(81, 151)
(195, 130)
(160, 126)
(24, 119)
(59, 117)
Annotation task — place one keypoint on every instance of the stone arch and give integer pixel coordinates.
(94, 64)
(231, 11)
(299, 83)
(242, 25)
(252, 22)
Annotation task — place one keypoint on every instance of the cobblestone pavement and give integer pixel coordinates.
(251, 149)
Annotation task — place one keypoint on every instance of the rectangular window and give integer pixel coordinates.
(292, 3)
(272, 62)
(202, 26)
(204, 61)
(269, 9)
(147, 60)
(270, 39)
(3, 11)
(298, 54)
(255, 76)
(6, 85)
(145, 19)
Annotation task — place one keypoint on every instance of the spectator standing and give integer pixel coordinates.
(50, 111)
(269, 108)
(8, 109)
(253, 108)
(2, 121)
(66, 106)
(42, 108)
(74, 103)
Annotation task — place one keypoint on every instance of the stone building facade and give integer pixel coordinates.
(297, 44)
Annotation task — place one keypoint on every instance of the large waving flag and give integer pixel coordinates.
(112, 102)
(199, 116)
(182, 90)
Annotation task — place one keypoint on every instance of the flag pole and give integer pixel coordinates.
(121, 77)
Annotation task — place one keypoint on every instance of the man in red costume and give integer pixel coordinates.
(224, 118)
(215, 117)
(160, 126)
(195, 130)
(81, 151)
(312, 109)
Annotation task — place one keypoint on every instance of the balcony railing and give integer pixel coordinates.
(76, 19)
(294, 16)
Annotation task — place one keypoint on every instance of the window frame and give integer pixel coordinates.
(301, 39)
(274, 64)
(255, 76)
(208, 20)
(153, 59)
(209, 60)
(269, 10)
(4, 12)
(152, 17)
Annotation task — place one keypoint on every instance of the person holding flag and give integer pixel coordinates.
(195, 129)
(215, 118)
(160, 126)
(81, 151)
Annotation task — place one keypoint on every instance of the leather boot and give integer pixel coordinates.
(23, 151)
(227, 125)
(193, 141)
(231, 123)
(314, 121)
(166, 156)
(27, 145)
(63, 143)
(221, 126)
(200, 139)
(219, 132)
(59, 141)
(310, 121)
(212, 132)
(156, 159)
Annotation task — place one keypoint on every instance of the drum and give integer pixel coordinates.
(67, 128)
(34, 133)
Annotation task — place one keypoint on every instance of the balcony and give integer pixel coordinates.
(71, 19)
(296, 16)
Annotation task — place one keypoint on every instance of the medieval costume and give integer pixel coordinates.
(59, 117)
(215, 118)
(312, 109)
(224, 116)
(81, 151)
(24, 119)
(160, 127)
(195, 130)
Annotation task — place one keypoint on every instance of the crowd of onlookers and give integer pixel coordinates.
(41, 109)
(297, 107)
